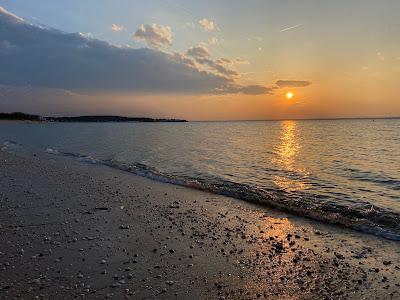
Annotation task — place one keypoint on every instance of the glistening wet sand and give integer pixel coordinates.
(73, 230)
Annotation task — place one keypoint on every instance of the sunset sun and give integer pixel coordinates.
(289, 95)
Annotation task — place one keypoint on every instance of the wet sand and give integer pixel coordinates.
(73, 230)
(21, 122)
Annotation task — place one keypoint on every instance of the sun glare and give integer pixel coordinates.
(289, 95)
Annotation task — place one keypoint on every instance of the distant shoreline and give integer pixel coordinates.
(10, 121)
(24, 117)
(19, 116)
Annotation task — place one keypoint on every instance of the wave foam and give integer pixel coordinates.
(9, 145)
(364, 217)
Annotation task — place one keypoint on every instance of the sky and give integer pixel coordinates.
(201, 60)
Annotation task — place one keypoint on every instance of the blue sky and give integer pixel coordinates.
(236, 20)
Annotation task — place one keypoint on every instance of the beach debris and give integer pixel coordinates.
(101, 208)
(338, 255)
(278, 247)
(360, 255)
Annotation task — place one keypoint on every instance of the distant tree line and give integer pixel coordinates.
(19, 116)
(27, 117)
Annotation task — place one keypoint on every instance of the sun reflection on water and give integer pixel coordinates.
(287, 152)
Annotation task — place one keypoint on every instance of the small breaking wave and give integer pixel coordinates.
(52, 151)
(9, 145)
(376, 178)
(364, 217)
(80, 157)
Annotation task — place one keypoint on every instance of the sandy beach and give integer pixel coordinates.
(73, 230)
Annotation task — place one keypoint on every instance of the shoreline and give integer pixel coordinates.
(347, 217)
(73, 229)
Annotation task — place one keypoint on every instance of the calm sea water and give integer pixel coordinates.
(342, 171)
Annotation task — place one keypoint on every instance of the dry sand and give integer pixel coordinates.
(72, 230)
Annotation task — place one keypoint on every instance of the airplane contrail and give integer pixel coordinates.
(290, 28)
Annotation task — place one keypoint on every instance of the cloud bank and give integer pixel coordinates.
(46, 58)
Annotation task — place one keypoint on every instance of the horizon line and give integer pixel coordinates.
(302, 119)
(228, 120)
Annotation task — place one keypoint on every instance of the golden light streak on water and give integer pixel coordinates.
(287, 151)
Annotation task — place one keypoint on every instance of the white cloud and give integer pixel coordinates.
(213, 41)
(48, 58)
(217, 68)
(198, 52)
(190, 25)
(291, 27)
(155, 36)
(182, 58)
(255, 38)
(380, 56)
(116, 27)
(236, 61)
(207, 24)
(45, 58)
(241, 61)
(221, 66)
(87, 35)
(224, 61)
(202, 56)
